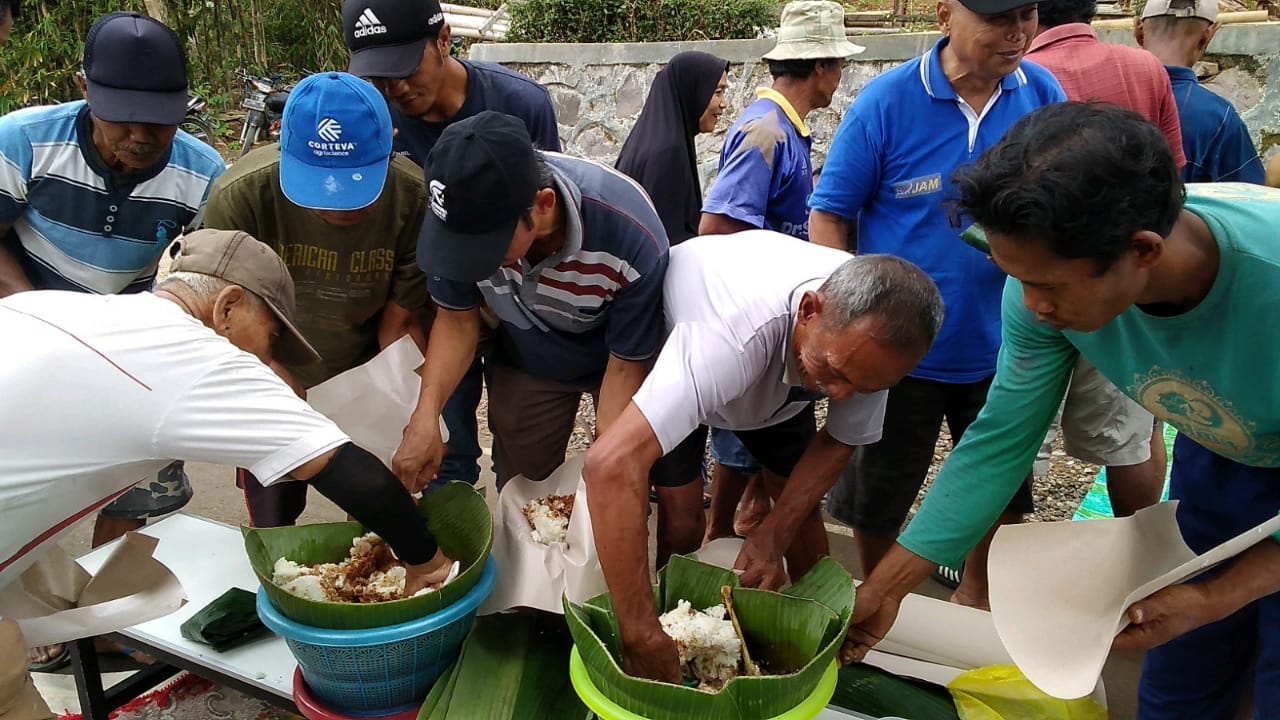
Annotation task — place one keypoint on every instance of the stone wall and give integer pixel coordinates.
(598, 90)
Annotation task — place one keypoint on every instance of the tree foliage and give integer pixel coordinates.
(639, 20)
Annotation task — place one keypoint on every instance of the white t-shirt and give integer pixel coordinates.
(728, 362)
(100, 392)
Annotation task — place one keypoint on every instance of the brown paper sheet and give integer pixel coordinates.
(57, 601)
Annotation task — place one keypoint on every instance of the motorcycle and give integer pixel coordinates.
(197, 122)
(263, 103)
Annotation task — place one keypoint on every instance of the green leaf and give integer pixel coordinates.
(456, 515)
(792, 635)
(871, 691)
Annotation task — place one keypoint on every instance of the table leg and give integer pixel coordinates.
(97, 703)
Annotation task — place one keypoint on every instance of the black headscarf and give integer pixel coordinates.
(659, 154)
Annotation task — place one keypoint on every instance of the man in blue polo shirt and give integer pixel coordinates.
(889, 171)
(570, 255)
(402, 47)
(1215, 140)
(764, 181)
(92, 193)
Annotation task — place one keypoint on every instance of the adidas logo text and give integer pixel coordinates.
(369, 24)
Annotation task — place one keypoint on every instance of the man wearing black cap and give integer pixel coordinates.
(402, 47)
(889, 171)
(570, 255)
(92, 192)
(175, 374)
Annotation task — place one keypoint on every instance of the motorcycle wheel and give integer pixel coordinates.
(199, 127)
(251, 132)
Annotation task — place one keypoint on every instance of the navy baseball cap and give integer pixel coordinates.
(995, 7)
(386, 37)
(135, 70)
(481, 176)
(335, 143)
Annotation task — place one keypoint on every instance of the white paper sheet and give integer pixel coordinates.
(1059, 590)
(372, 403)
(534, 575)
(131, 587)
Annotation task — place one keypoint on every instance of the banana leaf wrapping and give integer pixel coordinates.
(225, 623)
(456, 515)
(794, 635)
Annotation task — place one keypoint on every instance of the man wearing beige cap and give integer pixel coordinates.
(764, 181)
(101, 391)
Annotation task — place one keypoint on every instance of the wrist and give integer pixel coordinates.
(899, 573)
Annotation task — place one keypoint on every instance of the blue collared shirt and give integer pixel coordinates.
(1214, 138)
(890, 167)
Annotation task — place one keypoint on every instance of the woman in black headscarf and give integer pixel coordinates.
(687, 98)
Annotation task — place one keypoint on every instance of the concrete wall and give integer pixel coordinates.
(599, 89)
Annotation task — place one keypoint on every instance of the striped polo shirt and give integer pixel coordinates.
(599, 295)
(80, 225)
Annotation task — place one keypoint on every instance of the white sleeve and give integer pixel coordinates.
(241, 413)
(698, 371)
(858, 420)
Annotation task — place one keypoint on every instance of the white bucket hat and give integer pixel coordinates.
(812, 30)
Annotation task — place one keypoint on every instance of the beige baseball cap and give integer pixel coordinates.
(1203, 9)
(812, 30)
(239, 258)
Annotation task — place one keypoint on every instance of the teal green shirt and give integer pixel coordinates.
(1212, 372)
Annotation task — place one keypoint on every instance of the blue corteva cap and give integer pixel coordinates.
(335, 143)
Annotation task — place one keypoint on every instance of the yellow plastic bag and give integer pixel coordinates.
(1002, 692)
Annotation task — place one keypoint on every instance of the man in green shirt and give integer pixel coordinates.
(344, 215)
(1172, 294)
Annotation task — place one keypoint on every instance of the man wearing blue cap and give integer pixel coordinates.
(92, 192)
(344, 214)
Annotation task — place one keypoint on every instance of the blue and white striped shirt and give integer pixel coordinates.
(80, 225)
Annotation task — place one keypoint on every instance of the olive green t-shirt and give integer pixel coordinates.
(344, 276)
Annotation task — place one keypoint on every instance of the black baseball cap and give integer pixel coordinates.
(135, 70)
(995, 7)
(386, 37)
(481, 176)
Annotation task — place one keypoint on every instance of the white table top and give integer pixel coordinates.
(208, 558)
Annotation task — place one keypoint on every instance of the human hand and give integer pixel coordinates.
(653, 656)
(873, 614)
(1163, 616)
(430, 574)
(760, 561)
(417, 460)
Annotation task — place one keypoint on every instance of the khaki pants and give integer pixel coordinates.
(19, 699)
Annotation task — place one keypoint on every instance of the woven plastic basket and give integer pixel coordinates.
(379, 671)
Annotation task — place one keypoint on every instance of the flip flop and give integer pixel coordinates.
(53, 664)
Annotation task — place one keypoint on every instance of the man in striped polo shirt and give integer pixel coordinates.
(570, 255)
(93, 192)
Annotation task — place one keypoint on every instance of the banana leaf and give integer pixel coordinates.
(871, 691)
(794, 637)
(225, 623)
(512, 667)
(456, 515)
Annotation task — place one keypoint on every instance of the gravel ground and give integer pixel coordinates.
(1057, 495)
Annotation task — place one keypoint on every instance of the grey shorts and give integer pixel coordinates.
(1098, 423)
(169, 491)
(532, 420)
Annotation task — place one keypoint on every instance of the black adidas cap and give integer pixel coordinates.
(386, 37)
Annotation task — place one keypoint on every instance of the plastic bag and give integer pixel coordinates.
(1002, 692)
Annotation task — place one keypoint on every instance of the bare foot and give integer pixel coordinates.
(981, 603)
(44, 654)
(103, 646)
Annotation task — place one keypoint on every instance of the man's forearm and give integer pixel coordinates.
(450, 351)
(812, 477)
(13, 279)
(1253, 575)
(618, 499)
(395, 323)
(828, 230)
(621, 381)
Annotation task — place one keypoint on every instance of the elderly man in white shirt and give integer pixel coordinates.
(759, 326)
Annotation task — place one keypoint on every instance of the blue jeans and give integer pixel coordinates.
(1201, 674)
(461, 460)
(727, 450)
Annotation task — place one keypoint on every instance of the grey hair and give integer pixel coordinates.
(891, 289)
(205, 286)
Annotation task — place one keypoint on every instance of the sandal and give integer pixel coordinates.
(54, 663)
(947, 577)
